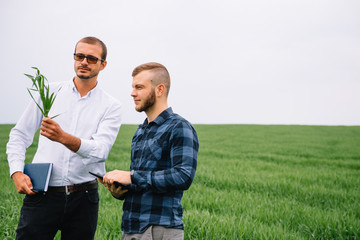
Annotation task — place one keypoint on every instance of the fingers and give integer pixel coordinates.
(28, 182)
(29, 191)
(115, 176)
(46, 127)
(109, 177)
(48, 120)
(110, 187)
(47, 123)
(118, 176)
(108, 181)
(28, 187)
(22, 183)
(100, 180)
(116, 191)
(50, 129)
(119, 192)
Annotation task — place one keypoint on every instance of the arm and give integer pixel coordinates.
(95, 149)
(183, 152)
(51, 129)
(20, 138)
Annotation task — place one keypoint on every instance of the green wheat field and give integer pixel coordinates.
(252, 182)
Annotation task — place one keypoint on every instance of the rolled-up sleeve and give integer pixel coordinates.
(97, 148)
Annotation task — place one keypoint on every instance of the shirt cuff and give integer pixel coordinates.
(84, 151)
(142, 179)
(16, 163)
(91, 155)
(85, 148)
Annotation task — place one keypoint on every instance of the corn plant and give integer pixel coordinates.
(41, 85)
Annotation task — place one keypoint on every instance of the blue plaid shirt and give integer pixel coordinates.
(164, 158)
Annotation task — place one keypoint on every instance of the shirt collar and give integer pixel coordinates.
(92, 91)
(159, 119)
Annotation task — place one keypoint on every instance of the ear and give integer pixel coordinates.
(103, 65)
(160, 90)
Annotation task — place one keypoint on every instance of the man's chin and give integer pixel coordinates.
(84, 77)
(138, 109)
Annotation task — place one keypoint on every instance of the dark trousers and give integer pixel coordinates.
(42, 215)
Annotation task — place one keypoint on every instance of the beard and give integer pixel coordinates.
(84, 77)
(148, 103)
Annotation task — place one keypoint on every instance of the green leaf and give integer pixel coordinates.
(37, 70)
(29, 76)
(51, 100)
(40, 85)
(42, 111)
(55, 116)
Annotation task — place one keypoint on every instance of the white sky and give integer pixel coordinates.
(231, 61)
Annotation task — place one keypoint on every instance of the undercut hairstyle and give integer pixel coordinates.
(94, 40)
(161, 74)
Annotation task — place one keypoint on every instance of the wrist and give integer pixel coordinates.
(132, 176)
(15, 174)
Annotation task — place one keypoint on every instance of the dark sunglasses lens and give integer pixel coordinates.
(92, 59)
(79, 57)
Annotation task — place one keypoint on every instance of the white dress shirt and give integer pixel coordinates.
(94, 118)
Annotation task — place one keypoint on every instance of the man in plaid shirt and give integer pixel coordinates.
(163, 162)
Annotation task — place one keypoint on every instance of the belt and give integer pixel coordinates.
(75, 187)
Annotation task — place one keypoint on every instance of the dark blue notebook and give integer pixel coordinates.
(39, 174)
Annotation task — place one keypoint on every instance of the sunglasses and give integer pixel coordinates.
(90, 59)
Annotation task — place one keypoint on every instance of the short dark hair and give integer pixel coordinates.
(161, 74)
(94, 40)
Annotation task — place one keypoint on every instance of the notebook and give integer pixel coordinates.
(39, 174)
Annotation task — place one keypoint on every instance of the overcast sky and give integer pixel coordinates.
(230, 61)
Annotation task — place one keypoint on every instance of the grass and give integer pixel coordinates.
(252, 182)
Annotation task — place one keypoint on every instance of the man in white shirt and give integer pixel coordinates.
(77, 142)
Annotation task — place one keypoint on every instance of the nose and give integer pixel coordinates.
(133, 94)
(84, 61)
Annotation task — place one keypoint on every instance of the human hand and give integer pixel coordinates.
(22, 183)
(118, 176)
(51, 129)
(116, 190)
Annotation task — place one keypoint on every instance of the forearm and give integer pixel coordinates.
(71, 142)
(52, 130)
(176, 178)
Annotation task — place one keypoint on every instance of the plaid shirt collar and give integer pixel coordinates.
(159, 119)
